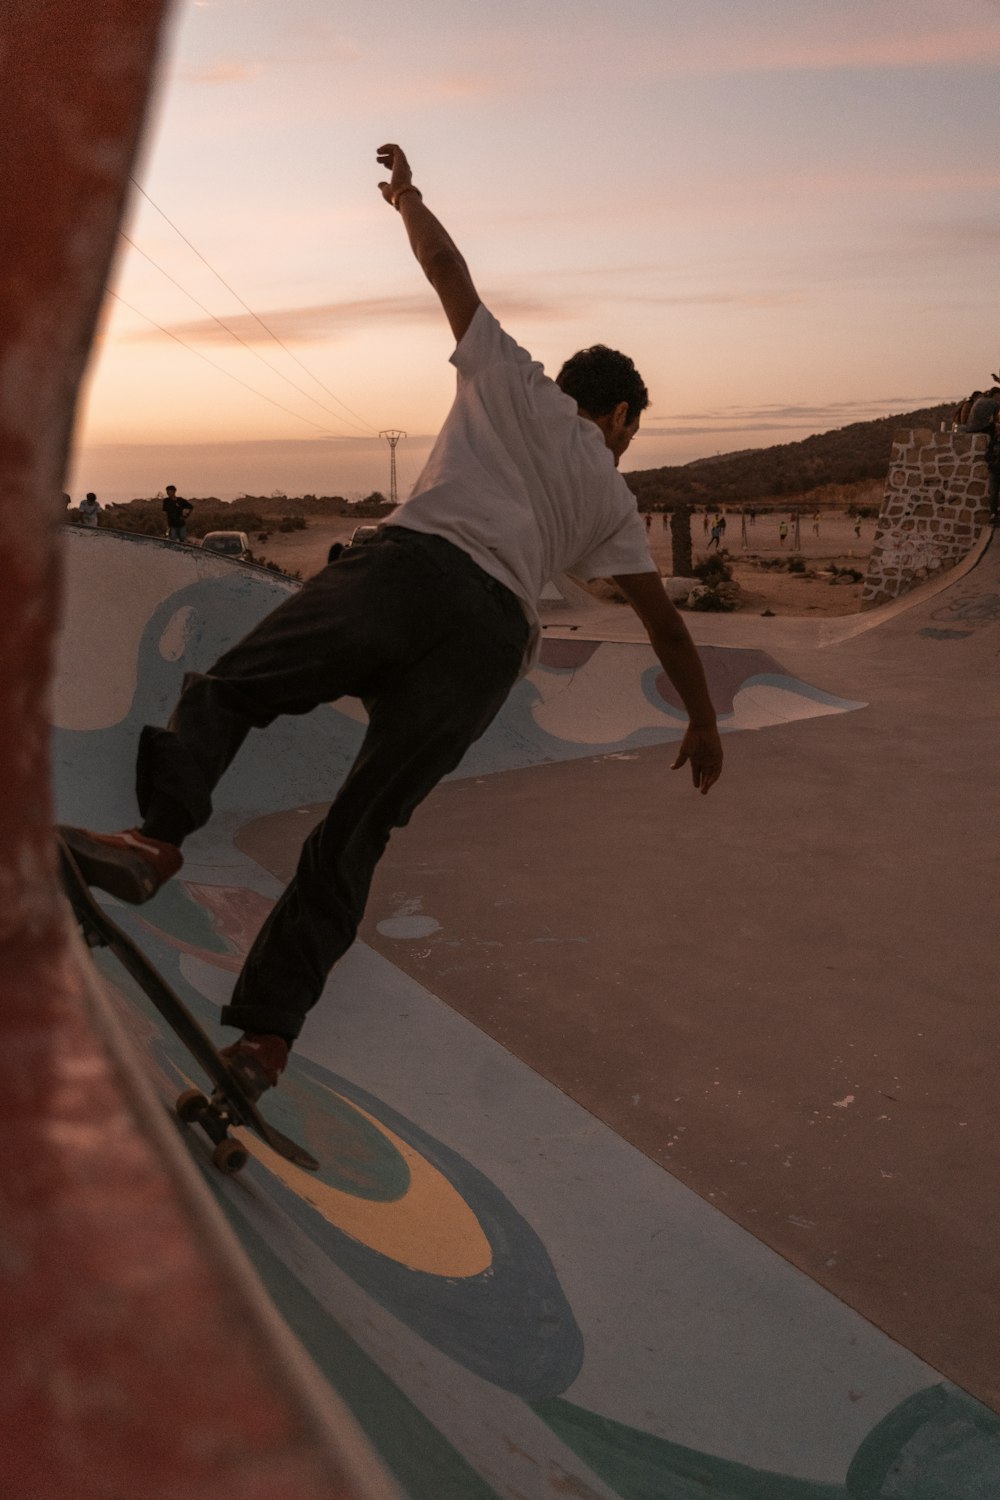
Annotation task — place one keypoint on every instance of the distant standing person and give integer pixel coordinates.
(177, 510)
(89, 509)
(783, 532)
(716, 536)
(816, 523)
(857, 527)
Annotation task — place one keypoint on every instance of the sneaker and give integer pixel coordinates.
(258, 1060)
(128, 865)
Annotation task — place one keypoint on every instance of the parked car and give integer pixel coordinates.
(362, 534)
(228, 543)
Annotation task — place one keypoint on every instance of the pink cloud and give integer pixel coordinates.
(225, 73)
(895, 50)
(303, 325)
(827, 43)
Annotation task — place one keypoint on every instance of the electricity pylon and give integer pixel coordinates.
(392, 436)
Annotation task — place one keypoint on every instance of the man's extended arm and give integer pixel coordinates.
(439, 258)
(701, 746)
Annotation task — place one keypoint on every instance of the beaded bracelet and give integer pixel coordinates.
(408, 189)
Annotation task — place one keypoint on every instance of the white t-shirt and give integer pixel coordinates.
(520, 481)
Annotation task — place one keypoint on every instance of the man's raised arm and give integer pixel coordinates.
(701, 747)
(438, 256)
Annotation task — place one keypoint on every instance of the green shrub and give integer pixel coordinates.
(854, 574)
(713, 569)
(711, 602)
(273, 567)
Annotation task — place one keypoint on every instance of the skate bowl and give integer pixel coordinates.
(558, 1244)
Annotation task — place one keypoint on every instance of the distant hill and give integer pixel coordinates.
(844, 456)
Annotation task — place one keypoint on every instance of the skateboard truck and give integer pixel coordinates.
(212, 1114)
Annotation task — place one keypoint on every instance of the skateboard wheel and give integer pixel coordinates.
(230, 1156)
(192, 1106)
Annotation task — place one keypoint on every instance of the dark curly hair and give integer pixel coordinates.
(599, 378)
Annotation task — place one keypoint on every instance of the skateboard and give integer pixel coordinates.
(228, 1104)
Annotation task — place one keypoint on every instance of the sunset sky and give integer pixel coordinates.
(786, 211)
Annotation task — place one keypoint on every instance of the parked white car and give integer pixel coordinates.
(228, 543)
(362, 534)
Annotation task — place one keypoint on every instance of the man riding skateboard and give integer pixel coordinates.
(430, 624)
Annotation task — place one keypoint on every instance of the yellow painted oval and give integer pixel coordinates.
(431, 1228)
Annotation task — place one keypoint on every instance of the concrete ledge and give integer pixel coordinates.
(143, 1357)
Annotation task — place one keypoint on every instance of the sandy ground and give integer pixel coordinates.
(303, 552)
(783, 593)
(834, 544)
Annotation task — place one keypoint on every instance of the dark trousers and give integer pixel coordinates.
(431, 644)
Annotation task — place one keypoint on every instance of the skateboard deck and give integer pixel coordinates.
(228, 1104)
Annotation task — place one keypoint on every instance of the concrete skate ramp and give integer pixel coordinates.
(141, 612)
(493, 1268)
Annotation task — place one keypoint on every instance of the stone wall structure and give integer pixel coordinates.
(933, 509)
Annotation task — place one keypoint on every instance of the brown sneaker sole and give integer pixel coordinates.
(120, 871)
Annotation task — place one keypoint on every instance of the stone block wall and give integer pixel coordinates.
(933, 508)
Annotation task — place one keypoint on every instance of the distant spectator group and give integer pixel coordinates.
(176, 510)
(980, 413)
(718, 529)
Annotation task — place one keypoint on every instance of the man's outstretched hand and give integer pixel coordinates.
(702, 750)
(436, 252)
(393, 158)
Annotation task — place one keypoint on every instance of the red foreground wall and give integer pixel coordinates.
(135, 1362)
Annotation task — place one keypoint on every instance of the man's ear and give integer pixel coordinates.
(613, 422)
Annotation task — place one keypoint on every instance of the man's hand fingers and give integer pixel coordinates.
(705, 760)
(705, 771)
(709, 776)
(392, 157)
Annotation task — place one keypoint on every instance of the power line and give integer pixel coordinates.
(222, 370)
(233, 334)
(269, 331)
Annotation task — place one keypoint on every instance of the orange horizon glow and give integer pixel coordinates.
(770, 209)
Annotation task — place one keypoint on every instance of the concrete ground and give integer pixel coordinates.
(782, 993)
(659, 1132)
